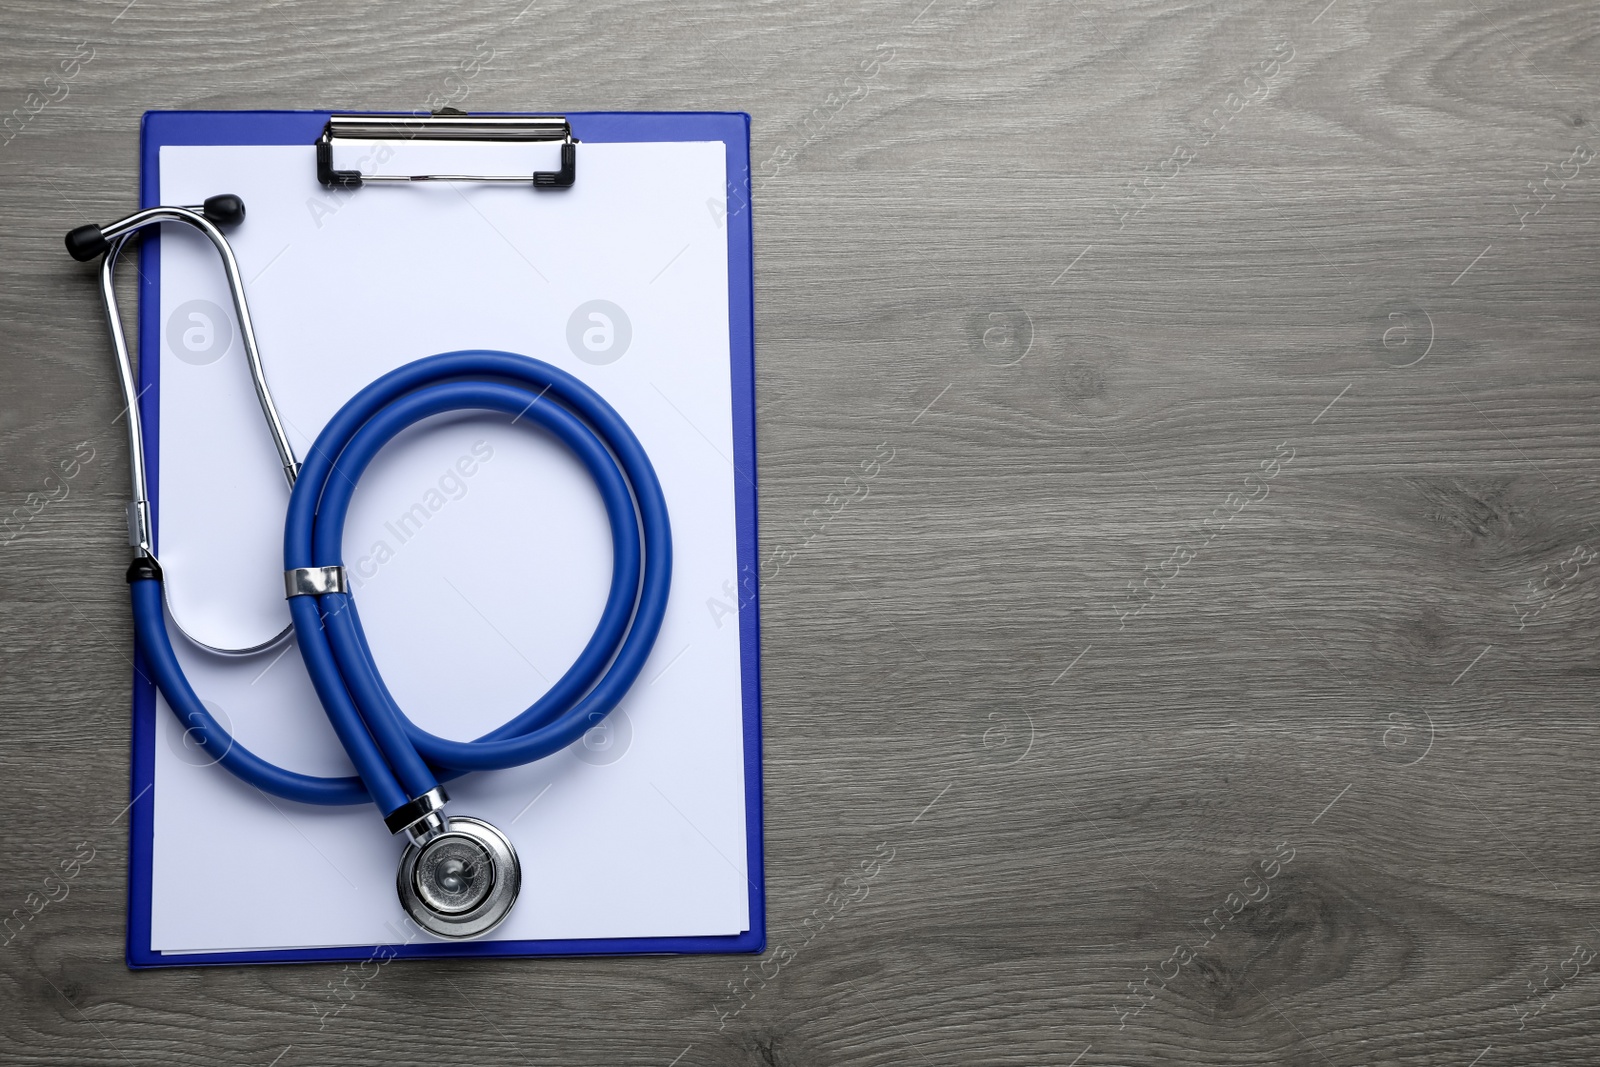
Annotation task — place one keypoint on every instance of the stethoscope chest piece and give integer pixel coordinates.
(461, 882)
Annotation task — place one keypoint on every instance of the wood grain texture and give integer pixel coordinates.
(951, 265)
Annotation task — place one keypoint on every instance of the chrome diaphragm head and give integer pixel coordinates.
(462, 882)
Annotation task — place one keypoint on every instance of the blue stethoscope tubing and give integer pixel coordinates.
(395, 759)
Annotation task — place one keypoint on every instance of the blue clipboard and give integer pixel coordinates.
(161, 128)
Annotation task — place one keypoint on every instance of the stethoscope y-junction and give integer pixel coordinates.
(458, 876)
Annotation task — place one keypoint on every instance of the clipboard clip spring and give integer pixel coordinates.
(369, 129)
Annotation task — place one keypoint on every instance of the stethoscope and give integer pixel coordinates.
(458, 876)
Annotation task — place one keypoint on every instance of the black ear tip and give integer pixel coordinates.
(86, 242)
(224, 210)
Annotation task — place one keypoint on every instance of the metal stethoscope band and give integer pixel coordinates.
(458, 876)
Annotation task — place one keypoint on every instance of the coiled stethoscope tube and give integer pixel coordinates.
(458, 876)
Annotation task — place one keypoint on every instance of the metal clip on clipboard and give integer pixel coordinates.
(446, 127)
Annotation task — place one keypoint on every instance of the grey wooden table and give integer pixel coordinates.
(1214, 658)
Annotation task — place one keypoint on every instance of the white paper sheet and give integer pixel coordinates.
(479, 550)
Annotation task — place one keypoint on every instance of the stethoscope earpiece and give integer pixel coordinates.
(86, 242)
(224, 211)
